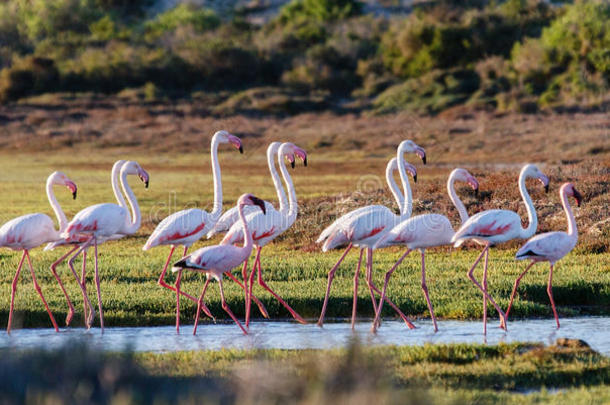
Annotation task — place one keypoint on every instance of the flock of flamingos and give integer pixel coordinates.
(254, 223)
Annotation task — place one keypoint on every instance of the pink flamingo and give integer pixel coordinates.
(102, 221)
(32, 230)
(188, 226)
(217, 260)
(268, 226)
(363, 228)
(491, 227)
(425, 231)
(79, 239)
(550, 246)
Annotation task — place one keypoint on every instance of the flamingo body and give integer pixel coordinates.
(420, 232)
(547, 247)
(181, 228)
(231, 217)
(490, 227)
(28, 231)
(103, 220)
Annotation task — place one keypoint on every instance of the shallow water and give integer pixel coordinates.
(289, 335)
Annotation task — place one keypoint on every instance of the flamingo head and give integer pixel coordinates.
(465, 176)
(61, 179)
(249, 199)
(131, 167)
(533, 171)
(411, 170)
(411, 147)
(290, 150)
(571, 191)
(226, 137)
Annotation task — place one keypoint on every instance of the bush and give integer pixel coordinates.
(31, 75)
(183, 15)
(319, 10)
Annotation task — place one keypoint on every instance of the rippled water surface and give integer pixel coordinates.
(289, 335)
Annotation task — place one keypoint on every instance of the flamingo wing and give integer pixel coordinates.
(28, 231)
(218, 257)
(180, 227)
(364, 228)
(262, 227)
(492, 225)
(421, 231)
(101, 220)
(550, 246)
(342, 220)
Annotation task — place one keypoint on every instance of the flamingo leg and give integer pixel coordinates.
(331, 275)
(199, 303)
(476, 283)
(258, 303)
(88, 318)
(84, 281)
(424, 288)
(485, 287)
(262, 283)
(517, 281)
(549, 290)
(388, 274)
(54, 271)
(178, 279)
(355, 300)
(369, 277)
(13, 291)
(97, 285)
(226, 307)
(39, 290)
(248, 284)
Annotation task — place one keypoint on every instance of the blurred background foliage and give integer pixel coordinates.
(504, 55)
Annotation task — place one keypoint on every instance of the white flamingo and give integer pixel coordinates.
(265, 227)
(363, 228)
(550, 246)
(29, 231)
(425, 231)
(103, 221)
(183, 228)
(217, 260)
(491, 227)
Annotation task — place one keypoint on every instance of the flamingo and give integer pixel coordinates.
(232, 216)
(103, 221)
(216, 260)
(32, 230)
(188, 226)
(550, 246)
(363, 227)
(268, 226)
(78, 239)
(491, 227)
(424, 231)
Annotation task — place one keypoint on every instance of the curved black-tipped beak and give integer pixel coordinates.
(424, 159)
(292, 164)
(241, 149)
(476, 191)
(74, 195)
(546, 188)
(260, 203)
(146, 184)
(305, 162)
(578, 197)
(415, 178)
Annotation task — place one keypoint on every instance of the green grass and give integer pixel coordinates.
(293, 266)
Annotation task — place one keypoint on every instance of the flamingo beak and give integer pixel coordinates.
(301, 154)
(143, 175)
(260, 203)
(545, 182)
(291, 159)
(412, 171)
(419, 151)
(474, 184)
(235, 141)
(578, 197)
(72, 187)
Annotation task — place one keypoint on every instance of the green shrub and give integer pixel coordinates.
(319, 10)
(27, 76)
(183, 15)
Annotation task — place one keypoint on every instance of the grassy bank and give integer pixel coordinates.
(566, 373)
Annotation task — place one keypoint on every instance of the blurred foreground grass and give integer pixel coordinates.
(566, 373)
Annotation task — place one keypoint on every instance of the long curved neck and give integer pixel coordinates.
(455, 199)
(114, 180)
(247, 236)
(277, 182)
(59, 213)
(572, 230)
(531, 211)
(136, 220)
(217, 209)
(407, 206)
(389, 176)
(292, 196)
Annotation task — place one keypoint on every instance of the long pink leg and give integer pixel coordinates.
(355, 300)
(39, 291)
(178, 301)
(485, 287)
(226, 307)
(13, 291)
(248, 284)
(84, 281)
(369, 277)
(424, 287)
(549, 290)
(517, 281)
(81, 284)
(261, 306)
(331, 275)
(199, 303)
(262, 283)
(476, 283)
(388, 274)
(54, 271)
(97, 285)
